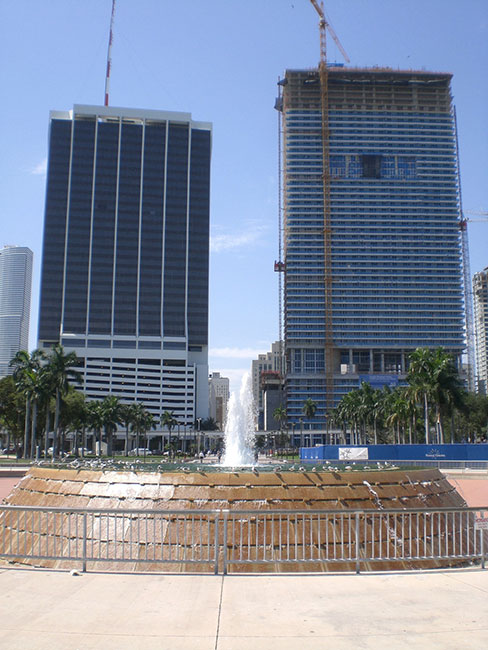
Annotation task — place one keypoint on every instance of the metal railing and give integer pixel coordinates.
(115, 536)
(352, 537)
(232, 538)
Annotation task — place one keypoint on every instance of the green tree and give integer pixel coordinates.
(61, 368)
(169, 421)
(95, 422)
(12, 410)
(111, 418)
(471, 420)
(147, 423)
(73, 416)
(209, 424)
(280, 416)
(127, 415)
(25, 366)
(142, 419)
(309, 409)
(434, 381)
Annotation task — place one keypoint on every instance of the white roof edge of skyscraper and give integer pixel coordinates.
(129, 113)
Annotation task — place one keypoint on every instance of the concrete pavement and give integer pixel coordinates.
(53, 609)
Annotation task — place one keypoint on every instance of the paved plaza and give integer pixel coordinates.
(56, 610)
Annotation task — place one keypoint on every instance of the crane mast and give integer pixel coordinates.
(109, 55)
(324, 103)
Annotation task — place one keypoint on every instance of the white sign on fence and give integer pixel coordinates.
(481, 523)
(353, 453)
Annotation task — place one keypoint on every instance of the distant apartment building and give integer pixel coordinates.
(480, 300)
(269, 361)
(381, 275)
(124, 278)
(15, 299)
(218, 398)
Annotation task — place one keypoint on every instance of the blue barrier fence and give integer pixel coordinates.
(455, 452)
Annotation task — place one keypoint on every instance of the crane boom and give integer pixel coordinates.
(323, 25)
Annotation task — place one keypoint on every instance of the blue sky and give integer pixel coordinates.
(220, 60)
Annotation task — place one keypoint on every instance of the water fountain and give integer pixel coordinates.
(237, 484)
(239, 429)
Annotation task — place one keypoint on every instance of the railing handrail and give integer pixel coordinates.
(244, 511)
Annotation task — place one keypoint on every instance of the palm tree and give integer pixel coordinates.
(309, 409)
(111, 417)
(35, 390)
(434, 380)
(61, 370)
(280, 416)
(365, 407)
(447, 388)
(127, 413)
(138, 418)
(147, 422)
(95, 421)
(420, 378)
(350, 413)
(169, 421)
(73, 416)
(23, 364)
(397, 414)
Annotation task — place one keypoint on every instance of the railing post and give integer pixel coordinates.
(226, 518)
(216, 543)
(83, 566)
(482, 533)
(358, 568)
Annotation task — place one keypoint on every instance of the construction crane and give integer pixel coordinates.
(109, 55)
(324, 26)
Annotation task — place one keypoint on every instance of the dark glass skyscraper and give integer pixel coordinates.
(125, 255)
(394, 260)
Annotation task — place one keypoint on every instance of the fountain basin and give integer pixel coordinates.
(233, 491)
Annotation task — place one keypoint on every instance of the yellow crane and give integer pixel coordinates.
(324, 26)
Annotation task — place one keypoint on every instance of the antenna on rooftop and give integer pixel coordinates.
(109, 54)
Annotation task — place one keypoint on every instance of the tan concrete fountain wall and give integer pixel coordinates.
(204, 490)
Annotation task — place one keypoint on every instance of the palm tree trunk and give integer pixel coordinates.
(426, 418)
(56, 423)
(126, 450)
(34, 428)
(26, 427)
(441, 427)
(109, 442)
(46, 432)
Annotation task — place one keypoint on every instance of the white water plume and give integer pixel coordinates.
(239, 428)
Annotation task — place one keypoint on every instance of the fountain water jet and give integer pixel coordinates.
(239, 428)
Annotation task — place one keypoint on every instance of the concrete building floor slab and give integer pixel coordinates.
(416, 610)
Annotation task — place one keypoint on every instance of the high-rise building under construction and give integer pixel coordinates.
(381, 275)
(480, 293)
